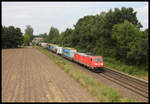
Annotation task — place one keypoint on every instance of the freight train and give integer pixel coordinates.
(95, 63)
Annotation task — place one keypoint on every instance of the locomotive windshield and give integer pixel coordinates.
(98, 60)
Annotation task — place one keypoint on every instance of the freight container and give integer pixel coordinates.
(68, 52)
(59, 50)
(52, 47)
(49, 46)
(45, 45)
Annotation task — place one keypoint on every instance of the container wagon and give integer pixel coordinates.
(52, 47)
(68, 53)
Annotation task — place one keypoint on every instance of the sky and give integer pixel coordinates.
(62, 15)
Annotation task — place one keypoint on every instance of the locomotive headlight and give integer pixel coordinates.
(95, 63)
(101, 63)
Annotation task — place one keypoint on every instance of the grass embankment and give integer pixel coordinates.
(139, 72)
(102, 92)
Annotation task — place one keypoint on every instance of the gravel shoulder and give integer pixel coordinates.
(30, 76)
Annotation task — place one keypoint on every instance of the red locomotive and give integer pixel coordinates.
(92, 62)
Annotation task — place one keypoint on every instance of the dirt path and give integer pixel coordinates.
(30, 76)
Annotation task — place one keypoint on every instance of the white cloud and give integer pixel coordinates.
(42, 15)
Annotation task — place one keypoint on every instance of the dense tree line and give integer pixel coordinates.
(11, 37)
(114, 34)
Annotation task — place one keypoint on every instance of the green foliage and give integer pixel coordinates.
(131, 44)
(45, 37)
(53, 35)
(26, 40)
(105, 43)
(11, 37)
(29, 31)
(65, 38)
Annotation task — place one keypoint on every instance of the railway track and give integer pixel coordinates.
(138, 86)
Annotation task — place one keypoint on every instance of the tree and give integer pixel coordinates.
(65, 38)
(53, 35)
(11, 37)
(131, 45)
(29, 31)
(105, 26)
(26, 40)
(139, 49)
(45, 37)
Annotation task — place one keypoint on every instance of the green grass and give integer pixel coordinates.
(102, 92)
(139, 72)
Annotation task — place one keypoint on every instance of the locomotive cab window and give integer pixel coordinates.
(98, 60)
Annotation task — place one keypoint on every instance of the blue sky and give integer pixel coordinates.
(42, 15)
